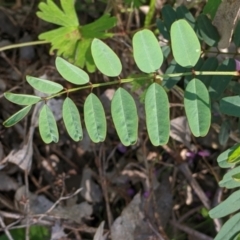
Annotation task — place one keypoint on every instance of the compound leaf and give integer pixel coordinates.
(18, 116)
(105, 59)
(70, 72)
(230, 106)
(125, 118)
(146, 51)
(72, 120)
(21, 99)
(95, 119)
(47, 125)
(226, 207)
(157, 114)
(197, 107)
(185, 44)
(44, 86)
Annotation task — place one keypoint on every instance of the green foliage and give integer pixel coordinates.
(189, 46)
(157, 114)
(18, 116)
(125, 118)
(197, 107)
(211, 7)
(21, 99)
(95, 119)
(35, 232)
(105, 59)
(146, 51)
(72, 120)
(44, 86)
(204, 79)
(47, 125)
(70, 72)
(72, 39)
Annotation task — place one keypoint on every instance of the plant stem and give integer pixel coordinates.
(146, 78)
(19, 45)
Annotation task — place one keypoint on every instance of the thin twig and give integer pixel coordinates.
(27, 205)
(5, 229)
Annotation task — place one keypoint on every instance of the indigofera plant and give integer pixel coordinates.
(205, 83)
(149, 58)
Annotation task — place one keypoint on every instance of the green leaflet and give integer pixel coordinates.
(184, 13)
(95, 119)
(236, 177)
(157, 114)
(146, 51)
(105, 59)
(211, 7)
(228, 181)
(185, 44)
(162, 29)
(170, 82)
(228, 206)
(230, 106)
(224, 133)
(207, 31)
(44, 86)
(70, 72)
(21, 99)
(18, 116)
(229, 157)
(197, 107)
(72, 120)
(125, 118)
(47, 125)
(229, 229)
(220, 83)
(169, 16)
